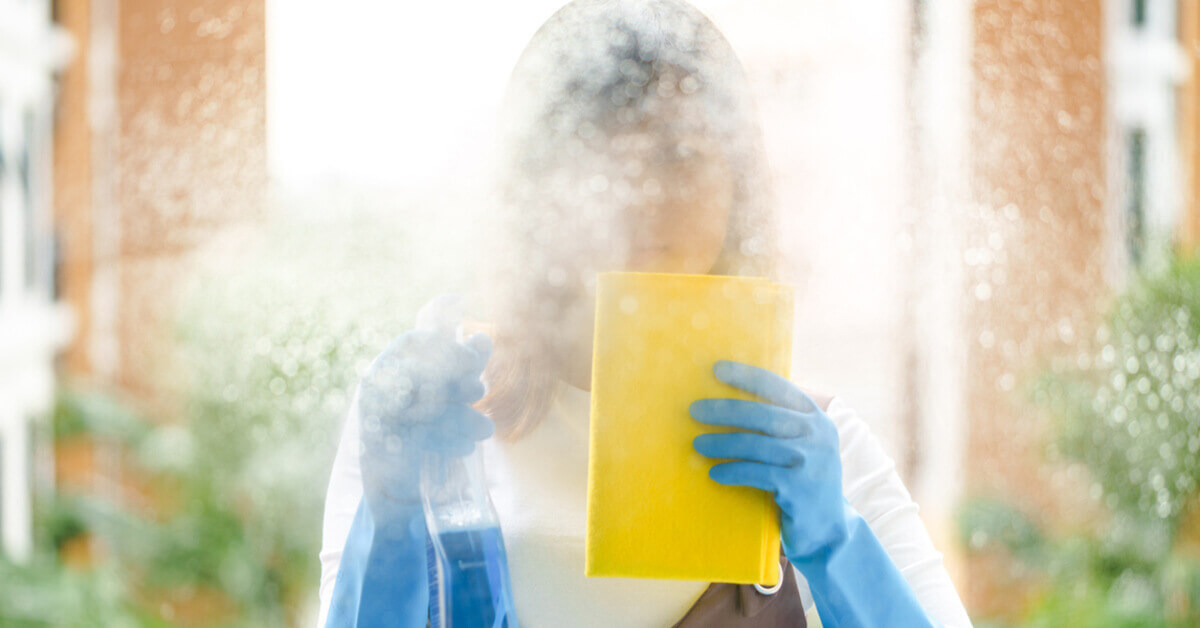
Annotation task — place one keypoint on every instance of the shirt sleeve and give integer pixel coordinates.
(341, 501)
(872, 486)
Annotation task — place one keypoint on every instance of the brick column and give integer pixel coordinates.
(1036, 250)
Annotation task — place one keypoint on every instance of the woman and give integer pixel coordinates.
(631, 144)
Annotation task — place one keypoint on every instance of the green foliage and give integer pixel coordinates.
(983, 522)
(43, 593)
(273, 351)
(96, 414)
(267, 354)
(1089, 580)
(1128, 409)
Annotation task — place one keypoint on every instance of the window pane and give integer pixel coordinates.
(28, 210)
(1135, 203)
(3, 176)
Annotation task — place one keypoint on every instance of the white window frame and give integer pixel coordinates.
(1146, 66)
(32, 327)
(941, 88)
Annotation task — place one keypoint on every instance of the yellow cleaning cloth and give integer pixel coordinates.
(653, 512)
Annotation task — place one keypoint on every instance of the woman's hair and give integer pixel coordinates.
(597, 68)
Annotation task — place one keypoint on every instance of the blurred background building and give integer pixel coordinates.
(964, 185)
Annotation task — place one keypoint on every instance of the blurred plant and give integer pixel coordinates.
(1130, 411)
(1127, 408)
(43, 593)
(271, 350)
(1086, 580)
(227, 497)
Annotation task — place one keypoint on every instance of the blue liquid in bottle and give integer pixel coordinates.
(474, 572)
(469, 583)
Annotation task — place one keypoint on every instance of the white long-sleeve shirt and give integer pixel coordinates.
(539, 487)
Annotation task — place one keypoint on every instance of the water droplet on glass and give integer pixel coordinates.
(983, 291)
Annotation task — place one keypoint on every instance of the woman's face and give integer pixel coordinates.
(678, 210)
(651, 202)
(667, 210)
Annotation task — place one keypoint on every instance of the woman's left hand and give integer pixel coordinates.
(790, 451)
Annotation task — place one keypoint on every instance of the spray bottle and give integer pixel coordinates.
(469, 584)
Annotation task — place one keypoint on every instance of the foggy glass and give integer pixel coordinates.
(988, 236)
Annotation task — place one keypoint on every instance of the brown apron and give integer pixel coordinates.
(742, 605)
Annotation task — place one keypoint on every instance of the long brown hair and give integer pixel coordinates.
(595, 67)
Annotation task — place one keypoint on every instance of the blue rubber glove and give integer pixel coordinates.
(791, 451)
(415, 397)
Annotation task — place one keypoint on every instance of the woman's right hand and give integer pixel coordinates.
(416, 397)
